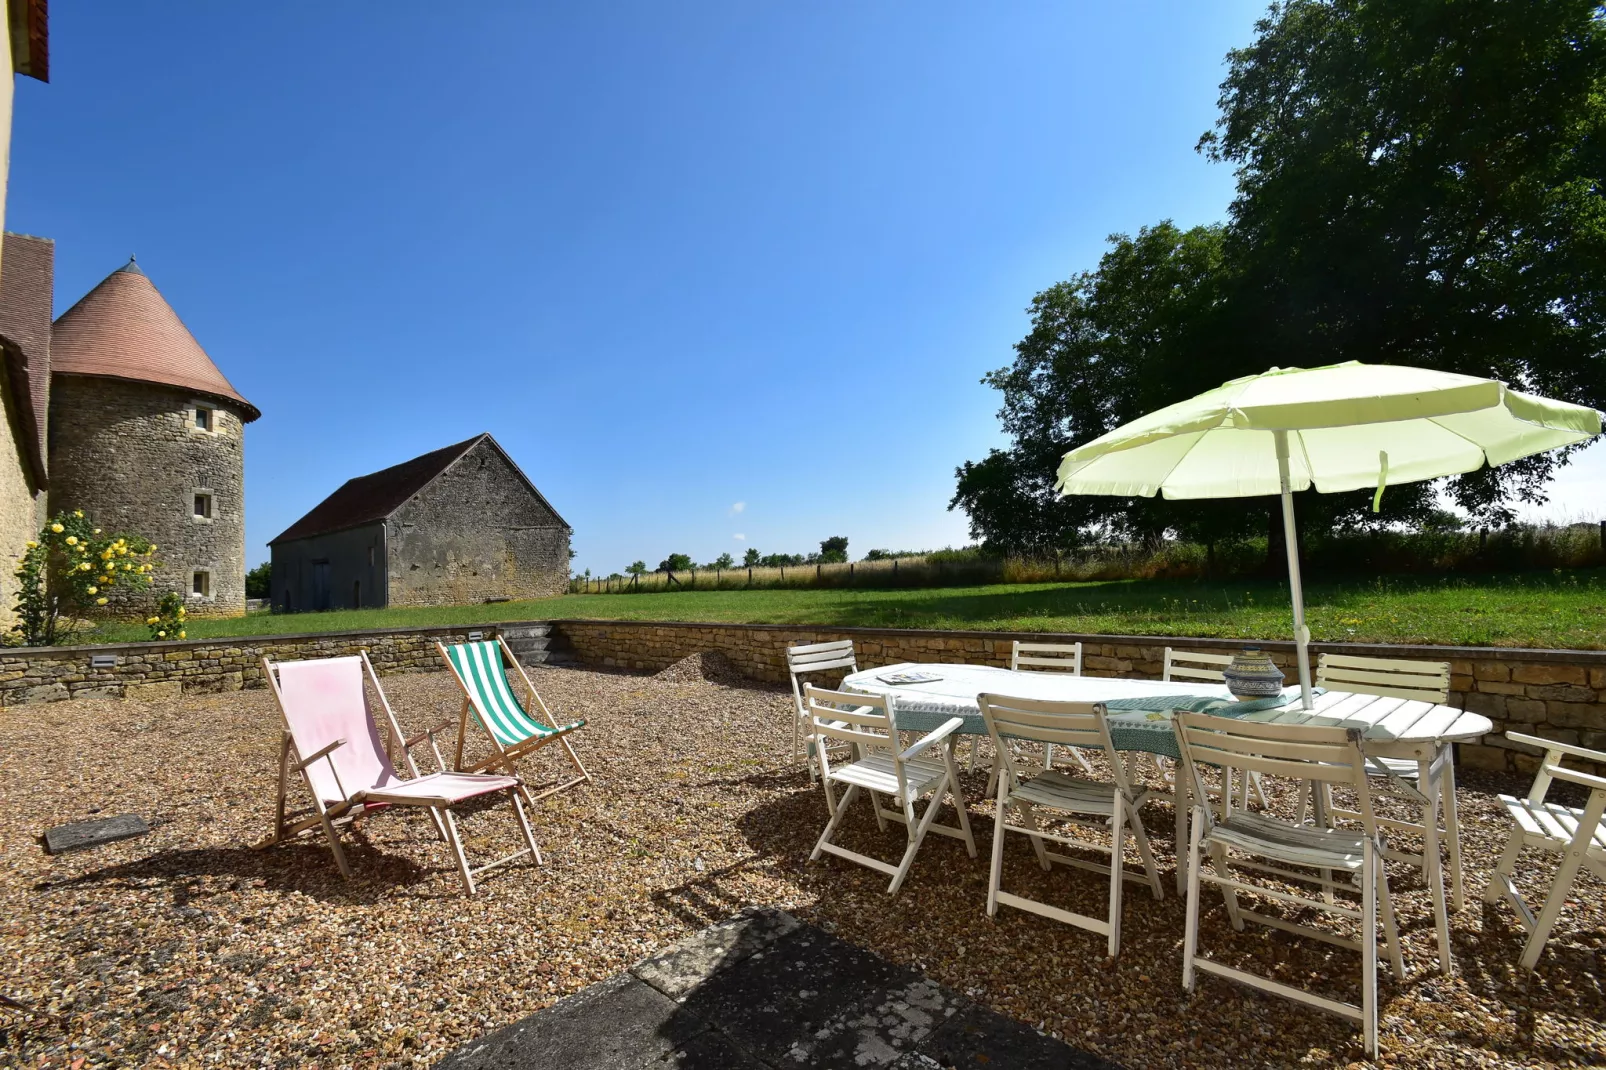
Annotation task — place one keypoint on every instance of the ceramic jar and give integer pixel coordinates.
(1253, 674)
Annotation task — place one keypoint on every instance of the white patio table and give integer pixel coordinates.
(1140, 719)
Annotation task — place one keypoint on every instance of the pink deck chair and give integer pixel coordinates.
(332, 741)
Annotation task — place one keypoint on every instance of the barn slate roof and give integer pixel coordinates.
(373, 497)
(124, 329)
(27, 291)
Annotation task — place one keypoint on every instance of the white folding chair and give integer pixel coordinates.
(805, 660)
(1098, 804)
(1053, 658)
(1195, 665)
(1206, 668)
(1260, 843)
(1577, 835)
(1428, 681)
(881, 765)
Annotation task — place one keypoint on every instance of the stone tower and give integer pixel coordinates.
(147, 436)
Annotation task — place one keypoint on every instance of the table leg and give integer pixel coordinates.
(1452, 829)
(1432, 790)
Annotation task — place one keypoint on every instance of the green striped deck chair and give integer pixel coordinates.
(513, 729)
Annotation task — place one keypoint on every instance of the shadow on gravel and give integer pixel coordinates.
(305, 866)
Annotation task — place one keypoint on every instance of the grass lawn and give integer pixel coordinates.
(1562, 609)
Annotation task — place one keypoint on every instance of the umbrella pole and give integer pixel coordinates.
(1291, 541)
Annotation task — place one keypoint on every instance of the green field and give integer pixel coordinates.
(1566, 608)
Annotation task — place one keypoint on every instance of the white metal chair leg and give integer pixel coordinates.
(1571, 861)
(1452, 830)
(1190, 940)
(836, 820)
(1370, 864)
(995, 876)
(1118, 835)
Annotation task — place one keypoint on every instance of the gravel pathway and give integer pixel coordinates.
(185, 948)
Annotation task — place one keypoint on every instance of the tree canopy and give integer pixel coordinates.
(1416, 184)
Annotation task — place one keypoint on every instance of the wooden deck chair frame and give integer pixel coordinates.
(359, 803)
(1047, 657)
(1205, 668)
(802, 661)
(1261, 844)
(1577, 835)
(504, 756)
(881, 765)
(1427, 681)
(1112, 805)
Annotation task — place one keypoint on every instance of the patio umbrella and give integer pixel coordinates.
(1340, 427)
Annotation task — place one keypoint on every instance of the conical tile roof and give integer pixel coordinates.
(123, 329)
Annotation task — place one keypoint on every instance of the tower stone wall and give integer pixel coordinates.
(131, 456)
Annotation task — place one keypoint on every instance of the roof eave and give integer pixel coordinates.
(250, 411)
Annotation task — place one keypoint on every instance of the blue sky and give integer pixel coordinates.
(716, 275)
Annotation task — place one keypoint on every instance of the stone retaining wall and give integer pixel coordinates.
(151, 671)
(1559, 694)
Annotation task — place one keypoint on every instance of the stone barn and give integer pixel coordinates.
(460, 525)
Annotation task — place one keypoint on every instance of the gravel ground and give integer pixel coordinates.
(186, 948)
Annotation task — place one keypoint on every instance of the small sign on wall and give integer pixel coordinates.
(475, 637)
(103, 661)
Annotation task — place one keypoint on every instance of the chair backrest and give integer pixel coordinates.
(1195, 665)
(1318, 753)
(480, 671)
(1391, 677)
(866, 721)
(323, 700)
(1062, 724)
(1046, 657)
(817, 657)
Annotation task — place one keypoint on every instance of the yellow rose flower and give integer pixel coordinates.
(181, 633)
(100, 601)
(83, 566)
(32, 545)
(79, 513)
(57, 528)
(152, 550)
(161, 635)
(127, 567)
(92, 590)
(152, 620)
(97, 531)
(72, 540)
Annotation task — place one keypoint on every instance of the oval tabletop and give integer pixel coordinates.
(1140, 710)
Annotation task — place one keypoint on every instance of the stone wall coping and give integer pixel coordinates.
(1477, 653)
(259, 640)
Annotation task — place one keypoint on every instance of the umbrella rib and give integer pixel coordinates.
(1160, 485)
(1482, 452)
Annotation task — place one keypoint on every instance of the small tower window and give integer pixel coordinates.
(204, 418)
(203, 505)
(201, 584)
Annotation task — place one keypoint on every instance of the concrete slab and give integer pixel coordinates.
(692, 961)
(620, 1024)
(83, 834)
(762, 991)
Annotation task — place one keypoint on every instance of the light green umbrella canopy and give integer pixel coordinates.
(1341, 421)
(1342, 427)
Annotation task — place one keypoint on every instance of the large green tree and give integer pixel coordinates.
(1420, 183)
(1417, 183)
